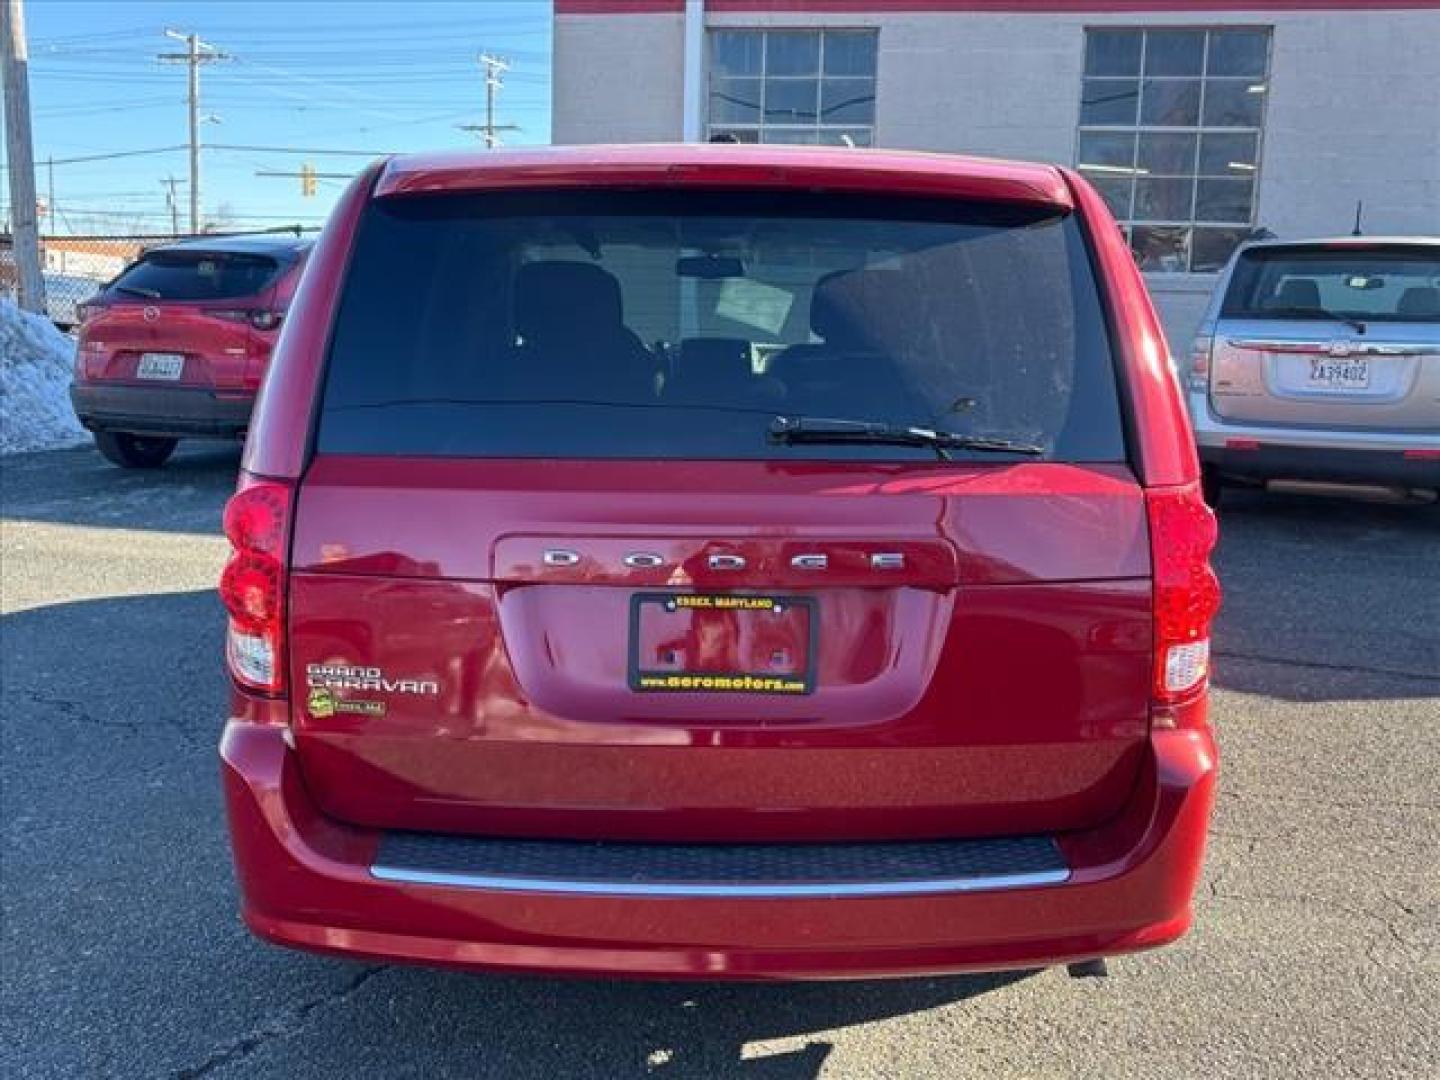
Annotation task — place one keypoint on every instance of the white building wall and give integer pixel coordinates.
(1353, 110)
(618, 78)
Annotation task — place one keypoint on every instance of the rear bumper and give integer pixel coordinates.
(1259, 452)
(307, 882)
(162, 410)
(1269, 461)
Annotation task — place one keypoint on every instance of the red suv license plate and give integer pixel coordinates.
(722, 643)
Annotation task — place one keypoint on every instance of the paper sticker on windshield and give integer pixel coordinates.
(754, 303)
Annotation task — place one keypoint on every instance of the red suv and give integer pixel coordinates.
(177, 344)
(720, 561)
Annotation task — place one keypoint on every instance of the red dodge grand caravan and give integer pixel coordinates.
(719, 561)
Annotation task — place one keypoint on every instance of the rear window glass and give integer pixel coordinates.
(609, 324)
(197, 275)
(1383, 284)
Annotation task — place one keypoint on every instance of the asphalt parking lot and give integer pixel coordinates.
(1316, 951)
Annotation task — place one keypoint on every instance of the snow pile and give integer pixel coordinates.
(35, 366)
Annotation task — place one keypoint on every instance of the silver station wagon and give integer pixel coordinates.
(1320, 360)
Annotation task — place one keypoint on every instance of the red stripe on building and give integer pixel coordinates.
(618, 7)
(1018, 7)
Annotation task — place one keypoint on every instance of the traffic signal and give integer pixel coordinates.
(307, 180)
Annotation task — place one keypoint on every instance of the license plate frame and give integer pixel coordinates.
(1334, 374)
(731, 611)
(163, 367)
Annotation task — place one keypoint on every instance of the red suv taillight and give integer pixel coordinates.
(252, 586)
(88, 309)
(1187, 592)
(259, 318)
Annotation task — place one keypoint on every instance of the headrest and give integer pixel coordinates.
(713, 365)
(1420, 300)
(840, 298)
(1300, 293)
(731, 355)
(555, 295)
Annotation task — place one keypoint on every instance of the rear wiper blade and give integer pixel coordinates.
(1324, 313)
(809, 429)
(137, 290)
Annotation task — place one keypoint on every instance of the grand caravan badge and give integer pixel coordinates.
(346, 677)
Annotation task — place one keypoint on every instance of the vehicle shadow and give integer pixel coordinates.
(137, 813)
(607, 1028)
(79, 487)
(1327, 597)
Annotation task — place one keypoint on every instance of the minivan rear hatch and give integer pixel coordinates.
(555, 573)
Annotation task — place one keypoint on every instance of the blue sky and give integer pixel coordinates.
(308, 74)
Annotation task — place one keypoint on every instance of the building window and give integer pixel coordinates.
(1170, 127)
(792, 86)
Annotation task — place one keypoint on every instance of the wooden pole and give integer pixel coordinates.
(24, 210)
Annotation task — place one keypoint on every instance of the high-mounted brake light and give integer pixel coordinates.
(1187, 592)
(252, 585)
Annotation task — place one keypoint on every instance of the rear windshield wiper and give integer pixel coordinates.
(1323, 313)
(138, 290)
(807, 429)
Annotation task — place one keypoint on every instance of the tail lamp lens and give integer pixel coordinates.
(252, 585)
(1198, 377)
(259, 318)
(88, 309)
(1187, 592)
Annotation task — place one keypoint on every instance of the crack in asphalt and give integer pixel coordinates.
(1322, 666)
(290, 1021)
(77, 712)
(73, 710)
(1319, 665)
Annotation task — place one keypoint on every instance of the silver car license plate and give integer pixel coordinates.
(158, 365)
(1330, 373)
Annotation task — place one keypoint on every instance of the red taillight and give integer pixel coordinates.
(88, 309)
(252, 585)
(1187, 592)
(259, 318)
(1198, 375)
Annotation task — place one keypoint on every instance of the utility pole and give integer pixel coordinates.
(494, 67)
(20, 153)
(196, 52)
(50, 192)
(174, 206)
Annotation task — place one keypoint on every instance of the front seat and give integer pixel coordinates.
(573, 341)
(846, 374)
(1422, 301)
(1296, 294)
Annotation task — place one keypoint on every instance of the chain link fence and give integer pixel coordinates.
(75, 268)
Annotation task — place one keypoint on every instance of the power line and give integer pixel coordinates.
(113, 155)
(301, 150)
